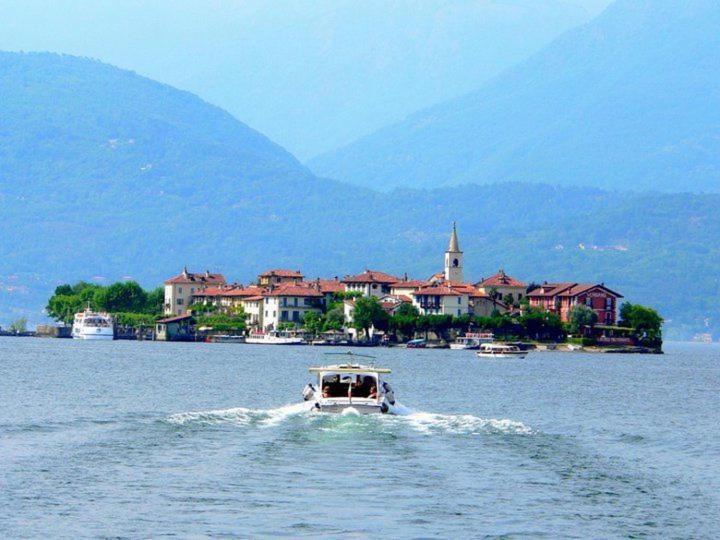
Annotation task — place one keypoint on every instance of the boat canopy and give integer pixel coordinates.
(348, 368)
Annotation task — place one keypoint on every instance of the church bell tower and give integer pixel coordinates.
(454, 259)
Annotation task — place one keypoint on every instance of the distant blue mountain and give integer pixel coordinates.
(312, 75)
(106, 175)
(628, 101)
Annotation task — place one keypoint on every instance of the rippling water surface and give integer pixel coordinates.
(133, 440)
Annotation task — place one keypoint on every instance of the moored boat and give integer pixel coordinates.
(416, 344)
(274, 337)
(90, 325)
(350, 386)
(472, 341)
(500, 350)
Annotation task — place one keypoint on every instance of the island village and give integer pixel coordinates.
(286, 301)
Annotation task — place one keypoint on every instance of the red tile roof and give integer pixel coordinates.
(549, 289)
(501, 279)
(282, 272)
(372, 276)
(189, 277)
(290, 289)
(437, 290)
(567, 289)
(229, 291)
(329, 285)
(410, 284)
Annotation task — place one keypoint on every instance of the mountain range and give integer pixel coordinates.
(313, 76)
(107, 175)
(630, 100)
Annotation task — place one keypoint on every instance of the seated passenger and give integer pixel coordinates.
(373, 392)
(326, 391)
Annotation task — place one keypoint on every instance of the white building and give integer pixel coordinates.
(288, 303)
(180, 289)
(442, 300)
(370, 283)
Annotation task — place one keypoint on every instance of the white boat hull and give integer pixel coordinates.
(522, 354)
(463, 347)
(92, 334)
(359, 406)
(274, 341)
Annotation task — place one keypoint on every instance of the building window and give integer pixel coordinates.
(179, 290)
(283, 315)
(295, 301)
(296, 316)
(588, 302)
(608, 303)
(179, 301)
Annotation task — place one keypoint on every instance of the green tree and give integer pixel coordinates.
(19, 326)
(541, 325)
(334, 320)
(646, 322)
(440, 324)
(155, 301)
(125, 296)
(63, 307)
(368, 313)
(581, 316)
(406, 325)
(221, 322)
(407, 310)
(313, 322)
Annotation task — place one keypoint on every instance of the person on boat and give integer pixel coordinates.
(388, 392)
(373, 392)
(326, 391)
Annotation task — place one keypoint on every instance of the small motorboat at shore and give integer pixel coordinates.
(416, 344)
(471, 341)
(500, 350)
(350, 386)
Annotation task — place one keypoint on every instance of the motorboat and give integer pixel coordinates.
(500, 350)
(90, 325)
(472, 341)
(416, 344)
(350, 386)
(275, 337)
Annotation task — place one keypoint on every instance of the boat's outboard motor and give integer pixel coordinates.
(308, 392)
(389, 393)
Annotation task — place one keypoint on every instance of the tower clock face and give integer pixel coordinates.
(456, 263)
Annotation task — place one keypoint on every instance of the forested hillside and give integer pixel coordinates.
(106, 175)
(628, 101)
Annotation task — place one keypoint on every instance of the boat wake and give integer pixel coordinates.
(240, 416)
(422, 422)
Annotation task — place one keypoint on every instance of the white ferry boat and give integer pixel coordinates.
(472, 341)
(498, 350)
(350, 387)
(274, 338)
(93, 326)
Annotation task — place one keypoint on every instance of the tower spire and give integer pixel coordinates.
(454, 246)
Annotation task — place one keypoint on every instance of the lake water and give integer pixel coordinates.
(128, 439)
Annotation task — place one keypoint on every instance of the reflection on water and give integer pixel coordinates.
(147, 439)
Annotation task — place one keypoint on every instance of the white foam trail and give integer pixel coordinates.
(424, 422)
(240, 416)
(458, 423)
